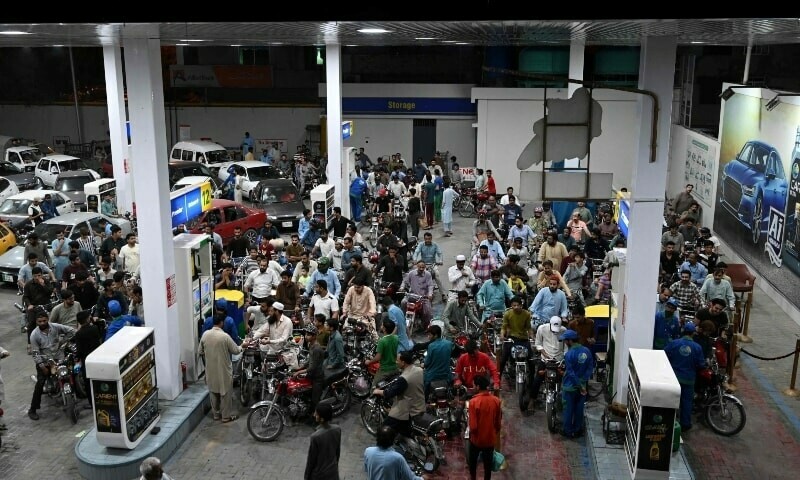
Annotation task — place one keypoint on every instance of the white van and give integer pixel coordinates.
(203, 151)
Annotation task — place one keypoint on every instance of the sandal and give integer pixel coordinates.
(230, 419)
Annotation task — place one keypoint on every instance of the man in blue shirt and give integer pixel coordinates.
(686, 357)
(49, 207)
(118, 320)
(229, 326)
(247, 144)
(324, 272)
(494, 246)
(437, 361)
(335, 347)
(579, 365)
(357, 188)
(383, 462)
(430, 253)
(304, 224)
(697, 269)
(549, 302)
(667, 326)
(399, 318)
(493, 295)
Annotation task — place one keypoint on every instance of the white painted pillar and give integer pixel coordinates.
(576, 61)
(333, 87)
(149, 151)
(656, 74)
(115, 97)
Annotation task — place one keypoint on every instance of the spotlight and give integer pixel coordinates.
(728, 93)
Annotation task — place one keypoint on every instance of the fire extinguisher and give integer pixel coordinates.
(183, 375)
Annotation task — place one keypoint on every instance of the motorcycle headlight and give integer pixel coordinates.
(551, 374)
(748, 190)
(63, 371)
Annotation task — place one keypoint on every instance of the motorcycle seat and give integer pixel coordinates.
(334, 375)
(423, 421)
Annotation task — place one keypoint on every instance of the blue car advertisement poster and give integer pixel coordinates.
(756, 205)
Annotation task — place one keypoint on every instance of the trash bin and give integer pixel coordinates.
(235, 300)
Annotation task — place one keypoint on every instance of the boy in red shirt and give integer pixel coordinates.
(474, 364)
(485, 416)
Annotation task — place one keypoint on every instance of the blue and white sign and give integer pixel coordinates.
(347, 129)
(408, 106)
(774, 243)
(624, 216)
(186, 204)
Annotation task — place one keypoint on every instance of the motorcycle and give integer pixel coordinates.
(414, 309)
(553, 372)
(422, 451)
(360, 379)
(65, 380)
(443, 402)
(518, 367)
(249, 370)
(523, 383)
(470, 203)
(374, 230)
(722, 411)
(291, 397)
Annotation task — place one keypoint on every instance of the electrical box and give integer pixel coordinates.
(322, 204)
(194, 283)
(122, 373)
(654, 395)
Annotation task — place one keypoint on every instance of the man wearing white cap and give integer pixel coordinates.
(550, 348)
(273, 334)
(461, 278)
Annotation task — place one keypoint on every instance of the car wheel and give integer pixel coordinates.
(755, 228)
(39, 183)
(251, 235)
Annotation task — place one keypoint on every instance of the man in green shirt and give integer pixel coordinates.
(386, 353)
(517, 327)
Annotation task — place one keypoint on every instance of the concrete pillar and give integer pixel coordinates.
(576, 60)
(656, 74)
(149, 152)
(117, 129)
(333, 86)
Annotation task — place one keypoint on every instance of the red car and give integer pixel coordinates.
(227, 215)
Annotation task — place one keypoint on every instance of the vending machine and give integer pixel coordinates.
(122, 373)
(322, 200)
(194, 282)
(96, 190)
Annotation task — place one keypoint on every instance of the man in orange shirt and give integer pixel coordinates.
(474, 364)
(485, 416)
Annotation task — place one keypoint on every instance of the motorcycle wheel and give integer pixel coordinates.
(524, 398)
(79, 386)
(71, 408)
(245, 390)
(371, 416)
(342, 396)
(550, 412)
(265, 425)
(363, 392)
(466, 209)
(726, 418)
(430, 463)
(373, 236)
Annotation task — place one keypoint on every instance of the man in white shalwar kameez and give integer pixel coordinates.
(218, 346)
(449, 197)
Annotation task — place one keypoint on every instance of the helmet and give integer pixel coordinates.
(323, 261)
(221, 304)
(114, 308)
(689, 327)
(569, 335)
(538, 210)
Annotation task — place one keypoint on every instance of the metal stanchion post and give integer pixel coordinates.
(743, 337)
(791, 391)
(732, 354)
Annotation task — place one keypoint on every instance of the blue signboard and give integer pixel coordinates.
(624, 216)
(408, 106)
(347, 129)
(187, 204)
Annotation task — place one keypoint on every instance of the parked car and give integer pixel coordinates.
(179, 169)
(14, 209)
(70, 224)
(254, 172)
(51, 166)
(24, 180)
(7, 188)
(25, 154)
(8, 239)
(203, 151)
(198, 180)
(72, 183)
(227, 215)
(281, 200)
(752, 184)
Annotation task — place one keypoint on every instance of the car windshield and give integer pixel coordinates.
(47, 231)
(279, 194)
(218, 156)
(9, 169)
(15, 206)
(262, 173)
(31, 156)
(72, 184)
(69, 165)
(194, 170)
(758, 160)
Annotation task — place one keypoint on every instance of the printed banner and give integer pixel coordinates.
(700, 168)
(229, 76)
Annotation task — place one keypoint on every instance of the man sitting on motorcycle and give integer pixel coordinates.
(429, 253)
(45, 349)
(493, 295)
(476, 363)
(517, 327)
(118, 320)
(410, 393)
(274, 334)
(389, 239)
(480, 228)
(686, 357)
(550, 348)
(359, 302)
(419, 282)
(456, 314)
(313, 366)
(437, 361)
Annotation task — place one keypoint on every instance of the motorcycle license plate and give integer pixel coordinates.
(8, 278)
(286, 224)
(67, 388)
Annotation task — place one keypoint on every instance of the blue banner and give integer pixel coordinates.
(347, 129)
(408, 106)
(186, 206)
(624, 217)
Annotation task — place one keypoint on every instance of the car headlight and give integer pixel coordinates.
(748, 190)
(272, 217)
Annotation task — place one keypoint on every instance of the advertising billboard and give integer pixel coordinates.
(757, 189)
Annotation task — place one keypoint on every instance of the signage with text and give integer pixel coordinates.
(408, 106)
(347, 129)
(189, 202)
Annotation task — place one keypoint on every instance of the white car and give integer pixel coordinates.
(14, 209)
(198, 180)
(254, 172)
(7, 188)
(49, 167)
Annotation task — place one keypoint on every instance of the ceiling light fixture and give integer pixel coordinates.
(696, 42)
(14, 32)
(424, 38)
(182, 44)
(373, 30)
(449, 41)
(191, 40)
(461, 43)
(235, 45)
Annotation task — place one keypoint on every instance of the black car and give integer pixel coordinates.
(181, 168)
(281, 201)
